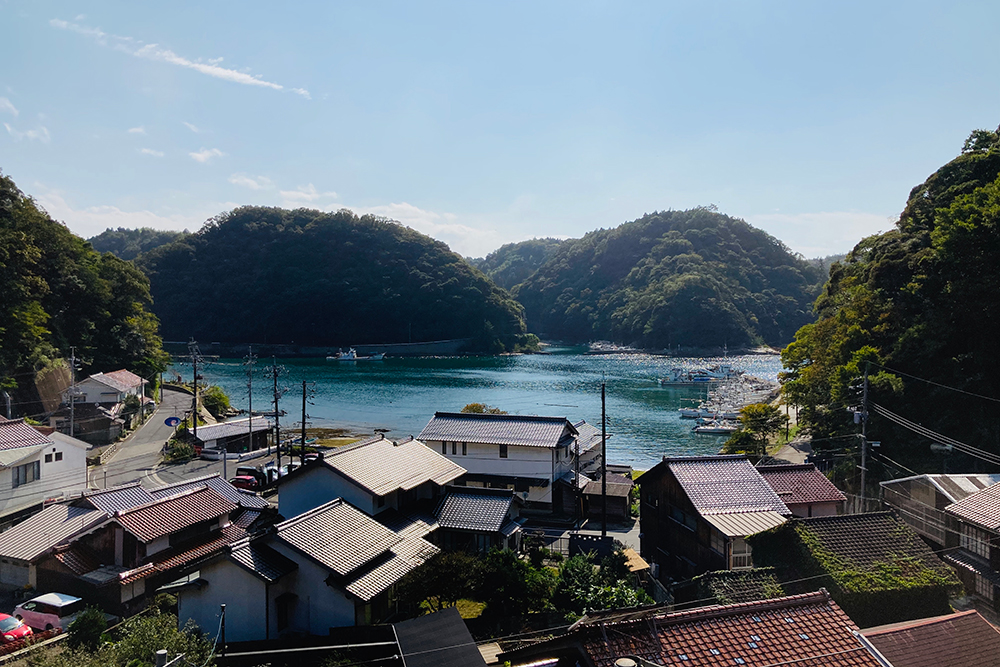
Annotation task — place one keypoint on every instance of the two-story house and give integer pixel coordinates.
(696, 512)
(920, 500)
(525, 453)
(98, 414)
(804, 489)
(35, 467)
(972, 542)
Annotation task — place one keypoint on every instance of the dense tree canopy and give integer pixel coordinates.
(511, 264)
(694, 278)
(58, 292)
(130, 243)
(919, 301)
(276, 276)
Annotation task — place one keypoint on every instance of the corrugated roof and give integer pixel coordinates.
(118, 498)
(483, 510)
(953, 487)
(724, 485)
(231, 428)
(262, 560)
(162, 517)
(801, 484)
(382, 466)
(337, 535)
(407, 555)
(981, 508)
(216, 483)
(618, 486)
(52, 526)
(14, 433)
(523, 430)
(965, 639)
(742, 524)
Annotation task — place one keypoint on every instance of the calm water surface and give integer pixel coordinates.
(402, 394)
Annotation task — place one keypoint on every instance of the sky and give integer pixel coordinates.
(481, 124)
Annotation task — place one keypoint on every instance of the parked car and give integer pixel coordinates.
(250, 471)
(52, 610)
(12, 629)
(245, 482)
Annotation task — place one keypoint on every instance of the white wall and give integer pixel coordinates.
(319, 607)
(311, 488)
(57, 479)
(480, 459)
(240, 591)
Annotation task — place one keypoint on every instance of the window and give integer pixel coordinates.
(975, 540)
(464, 452)
(454, 448)
(26, 473)
(58, 456)
(984, 587)
(444, 448)
(503, 451)
(718, 542)
(48, 458)
(742, 556)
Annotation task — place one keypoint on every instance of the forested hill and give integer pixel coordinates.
(513, 263)
(916, 303)
(692, 278)
(270, 275)
(57, 292)
(130, 243)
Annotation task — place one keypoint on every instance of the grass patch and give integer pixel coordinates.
(466, 608)
(331, 437)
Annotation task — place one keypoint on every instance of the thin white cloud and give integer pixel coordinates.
(137, 130)
(252, 182)
(463, 239)
(93, 220)
(823, 233)
(41, 133)
(8, 106)
(304, 194)
(208, 67)
(191, 126)
(303, 92)
(150, 151)
(206, 154)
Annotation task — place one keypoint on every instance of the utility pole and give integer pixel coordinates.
(864, 436)
(72, 391)
(302, 451)
(274, 371)
(604, 466)
(222, 631)
(249, 362)
(195, 354)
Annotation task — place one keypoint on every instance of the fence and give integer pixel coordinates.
(859, 505)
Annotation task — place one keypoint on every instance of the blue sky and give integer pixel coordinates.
(485, 123)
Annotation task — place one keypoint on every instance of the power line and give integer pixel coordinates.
(975, 452)
(938, 384)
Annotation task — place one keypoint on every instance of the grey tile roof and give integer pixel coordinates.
(523, 430)
(406, 556)
(724, 485)
(262, 560)
(410, 524)
(14, 433)
(217, 484)
(483, 510)
(590, 436)
(168, 515)
(338, 536)
(618, 486)
(52, 526)
(246, 518)
(231, 428)
(981, 508)
(118, 498)
(382, 466)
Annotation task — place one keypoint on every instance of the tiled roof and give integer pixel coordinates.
(406, 556)
(52, 526)
(801, 484)
(618, 486)
(589, 436)
(262, 560)
(803, 630)
(189, 553)
(483, 510)
(981, 508)
(410, 524)
(78, 558)
(965, 639)
(382, 466)
(118, 498)
(216, 483)
(162, 517)
(124, 378)
(231, 428)
(732, 586)
(14, 433)
(498, 429)
(337, 535)
(724, 485)
(246, 518)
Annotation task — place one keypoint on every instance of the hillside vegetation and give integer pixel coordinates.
(130, 243)
(920, 300)
(57, 292)
(513, 263)
(332, 279)
(693, 278)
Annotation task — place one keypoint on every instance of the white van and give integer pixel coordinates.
(52, 610)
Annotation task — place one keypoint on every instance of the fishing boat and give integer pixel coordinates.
(717, 428)
(710, 375)
(352, 355)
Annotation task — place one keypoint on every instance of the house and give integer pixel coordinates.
(965, 639)
(972, 543)
(920, 500)
(329, 567)
(35, 467)
(807, 629)
(234, 437)
(804, 489)
(696, 511)
(107, 388)
(528, 454)
(876, 567)
(477, 520)
(98, 415)
(729, 587)
(374, 475)
(618, 489)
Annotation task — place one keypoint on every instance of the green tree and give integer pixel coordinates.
(577, 586)
(442, 580)
(482, 408)
(87, 629)
(215, 401)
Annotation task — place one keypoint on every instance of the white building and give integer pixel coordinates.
(107, 388)
(36, 467)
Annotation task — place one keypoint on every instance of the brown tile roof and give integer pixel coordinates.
(724, 484)
(803, 630)
(383, 466)
(162, 517)
(526, 430)
(14, 433)
(981, 508)
(801, 484)
(78, 558)
(120, 380)
(965, 639)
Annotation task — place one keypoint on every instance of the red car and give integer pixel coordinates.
(245, 482)
(13, 629)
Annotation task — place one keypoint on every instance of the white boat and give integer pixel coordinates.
(352, 355)
(717, 428)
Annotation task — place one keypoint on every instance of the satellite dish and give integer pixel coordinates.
(172, 421)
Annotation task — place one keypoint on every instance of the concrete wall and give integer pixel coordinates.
(57, 479)
(319, 606)
(240, 591)
(318, 485)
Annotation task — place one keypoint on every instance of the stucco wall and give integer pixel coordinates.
(311, 488)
